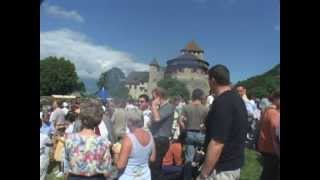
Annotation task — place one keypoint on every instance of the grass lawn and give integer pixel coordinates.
(251, 170)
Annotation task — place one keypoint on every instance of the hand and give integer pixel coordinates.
(156, 102)
(116, 148)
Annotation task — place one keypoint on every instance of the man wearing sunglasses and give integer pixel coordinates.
(144, 107)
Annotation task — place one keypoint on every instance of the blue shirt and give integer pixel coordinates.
(47, 128)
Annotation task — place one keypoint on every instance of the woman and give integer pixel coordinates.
(87, 156)
(136, 150)
(268, 144)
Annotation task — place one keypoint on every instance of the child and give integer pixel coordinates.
(59, 150)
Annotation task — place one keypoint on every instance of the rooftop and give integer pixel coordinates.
(192, 46)
(136, 77)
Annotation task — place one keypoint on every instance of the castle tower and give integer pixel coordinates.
(193, 48)
(155, 75)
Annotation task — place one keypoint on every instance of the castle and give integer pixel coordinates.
(190, 67)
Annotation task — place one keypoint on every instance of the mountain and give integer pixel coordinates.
(263, 85)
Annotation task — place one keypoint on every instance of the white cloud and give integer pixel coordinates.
(90, 59)
(59, 12)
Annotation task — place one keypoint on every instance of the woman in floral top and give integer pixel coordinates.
(87, 156)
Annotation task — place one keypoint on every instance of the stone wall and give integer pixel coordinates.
(136, 90)
(155, 75)
(193, 80)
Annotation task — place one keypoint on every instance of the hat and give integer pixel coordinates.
(65, 104)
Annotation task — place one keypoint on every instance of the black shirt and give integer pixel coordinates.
(227, 122)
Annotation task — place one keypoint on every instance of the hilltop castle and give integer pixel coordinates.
(190, 67)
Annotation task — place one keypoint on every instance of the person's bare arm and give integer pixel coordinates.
(154, 109)
(153, 153)
(124, 153)
(212, 156)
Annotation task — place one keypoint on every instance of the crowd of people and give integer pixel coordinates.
(160, 137)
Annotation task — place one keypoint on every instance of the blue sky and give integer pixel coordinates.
(98, 34)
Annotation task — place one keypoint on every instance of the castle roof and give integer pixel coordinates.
(192, 46)
(187, 57)
(155, 62)
(136, 77)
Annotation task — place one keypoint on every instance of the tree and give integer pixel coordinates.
(58, 76)
(113, 80)
(263, 85)
(174, 88)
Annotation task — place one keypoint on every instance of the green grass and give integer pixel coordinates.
(252, 167)
(251, 170)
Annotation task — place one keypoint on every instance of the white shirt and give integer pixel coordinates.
(65, 110)
(210, 100)
(57, 114)
(146, 118)
(103, 130)
(69, 129)
(130, 107)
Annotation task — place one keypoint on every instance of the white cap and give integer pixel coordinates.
(65, 104)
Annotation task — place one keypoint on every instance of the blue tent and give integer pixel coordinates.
(103, 94)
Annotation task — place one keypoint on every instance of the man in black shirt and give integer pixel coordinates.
(226, 127)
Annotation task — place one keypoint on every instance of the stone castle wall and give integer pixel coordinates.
(136, 90)
(155, 75)
(193, 80)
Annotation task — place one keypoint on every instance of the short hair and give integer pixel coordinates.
(71, 116)
(134, 118)
(160, 92)
(145, 97)
(119, 103)
(197, 94)
(240, 85)
(90, 114)
(275, 95)
(220, 73)
(59, 102)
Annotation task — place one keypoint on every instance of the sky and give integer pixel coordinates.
(97, 35)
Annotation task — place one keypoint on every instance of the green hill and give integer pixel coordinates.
(263, 85)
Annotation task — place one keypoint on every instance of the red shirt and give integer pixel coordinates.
(269, 122)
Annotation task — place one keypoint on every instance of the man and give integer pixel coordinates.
(161, 124)
(268, 144)
(144, 107)
(191, 120)
(250, 104)
(253, 117)
(226, 127)
(57, 116)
